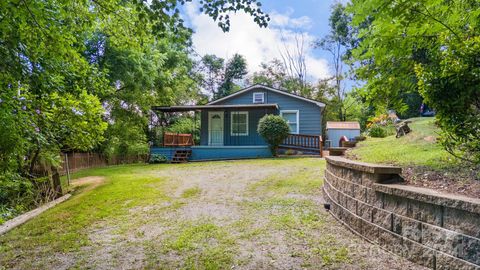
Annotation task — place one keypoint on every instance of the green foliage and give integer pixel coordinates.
(219, 77)
(75, 74)
(430, 47)
(188, 125)
(377, 131)
(274, 129)
(157, 158)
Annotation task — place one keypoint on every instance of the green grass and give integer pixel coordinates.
(140, 208)
(191, 192)
(418, 148)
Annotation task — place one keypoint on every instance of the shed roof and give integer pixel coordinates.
(342, 125)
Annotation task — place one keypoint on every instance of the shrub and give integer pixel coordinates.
(274, 129)
(157, 158)
(377, 132)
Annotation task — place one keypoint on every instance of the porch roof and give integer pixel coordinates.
(187, 108)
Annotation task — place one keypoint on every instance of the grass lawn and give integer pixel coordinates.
(425, 162)
(250, 214)
(417, 148)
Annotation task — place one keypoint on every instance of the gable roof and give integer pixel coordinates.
(342, 125)
(256, 86)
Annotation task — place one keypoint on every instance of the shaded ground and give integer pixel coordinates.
(425, 161)
(257, 214)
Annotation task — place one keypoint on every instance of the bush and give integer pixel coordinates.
(274, 129)
(377, 132)
(157, 158)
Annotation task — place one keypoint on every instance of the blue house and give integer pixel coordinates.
(228, 126)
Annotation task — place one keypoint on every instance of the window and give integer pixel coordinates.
(292, 120)
(259, 97)
(239, 124)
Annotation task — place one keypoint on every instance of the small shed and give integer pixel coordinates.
(335, 131)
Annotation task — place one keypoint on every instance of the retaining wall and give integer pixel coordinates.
(436, 230)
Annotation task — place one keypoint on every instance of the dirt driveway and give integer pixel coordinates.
(257, 214)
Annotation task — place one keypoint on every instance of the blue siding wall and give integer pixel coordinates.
(310, 114)
(166, 151)
(229, 152)
(253, 138)
(217, 153)
(334, 135)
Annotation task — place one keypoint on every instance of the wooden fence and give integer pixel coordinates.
(79, 161)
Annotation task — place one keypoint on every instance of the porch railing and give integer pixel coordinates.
(177, 139)
(304, 141)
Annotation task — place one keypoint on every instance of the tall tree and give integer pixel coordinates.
(220, 77)
(212, 67)
(429, 45)
(293, 59)
(338, 43)
(235, 69)
(62, 63)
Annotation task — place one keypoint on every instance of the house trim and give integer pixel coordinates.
(319, 104)
(298, 118)
(231, 123)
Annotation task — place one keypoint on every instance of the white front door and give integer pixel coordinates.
(215, 128)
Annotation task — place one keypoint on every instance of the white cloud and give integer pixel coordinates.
(256, 44)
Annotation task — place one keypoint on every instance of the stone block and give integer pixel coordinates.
(364, 211)
(382, 218)
(462, 221)
(470, 250)
(350, 204)
(425, 212)
(354, 176)
(370, 231)
(443, 240)
(374, 198)
(390, 241)
(368, 179)
(447, 262)
(418, 253)
(347, 187)
(359, 192)
(396, 204)
(406, 227)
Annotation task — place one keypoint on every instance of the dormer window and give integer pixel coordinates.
(258, 97)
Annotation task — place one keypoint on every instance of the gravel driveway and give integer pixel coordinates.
(255, 214)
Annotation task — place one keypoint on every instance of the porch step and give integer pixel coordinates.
(181, 156)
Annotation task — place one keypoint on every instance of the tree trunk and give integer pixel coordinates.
(57, 184)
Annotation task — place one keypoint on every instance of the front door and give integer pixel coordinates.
(215, 128)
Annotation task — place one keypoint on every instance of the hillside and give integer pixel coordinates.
(425, 162)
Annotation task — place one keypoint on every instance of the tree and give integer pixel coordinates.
(64, 62)
(275, 74)
(274, 129)
(212, 68)
(338, 43)
(219, 77)
(429, 45)
(295, 66)
(235, 69)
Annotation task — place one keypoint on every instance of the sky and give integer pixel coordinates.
(307, 19)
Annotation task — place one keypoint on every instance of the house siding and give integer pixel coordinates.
(334, 135)
(253, 138)
(310, 114)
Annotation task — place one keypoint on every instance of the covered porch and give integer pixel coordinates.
(219, 132)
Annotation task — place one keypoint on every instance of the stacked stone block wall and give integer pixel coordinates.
(434, 230)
